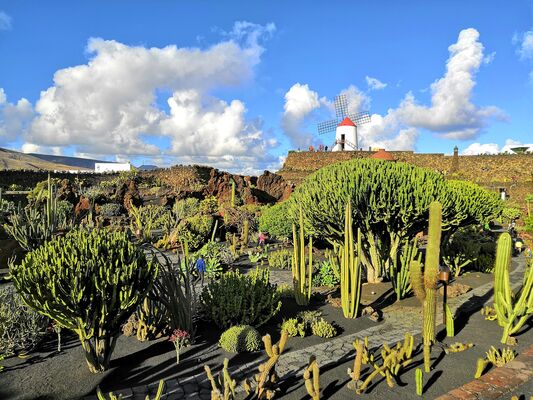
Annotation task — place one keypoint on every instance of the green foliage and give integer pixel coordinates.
(399, 274)
(528, 224)
(89, 282)
(150, 217)
(195, 230)
(257, 254)
(281, 259)
(294, 327)
(215, 254)
(325, 275)
(28, 227)
(350, 268)
(21, 328)
(185, 208)
(111, 210)
(209, 205)
(276, 221)
(238, 299)
(40, 192)
(470, 247)
(389, 205)
(510, 213)
(302, 277)
(323, 329)
(241, 338)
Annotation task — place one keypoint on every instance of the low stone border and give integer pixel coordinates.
(497, 382)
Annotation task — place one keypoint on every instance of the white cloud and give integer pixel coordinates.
(494, 148)
(526, 45)
(109, 106)
(33, 148)
(14, 118)
(5, 21)
(300, 101)
(375, 84)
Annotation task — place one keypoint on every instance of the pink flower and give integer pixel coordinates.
(179, 335)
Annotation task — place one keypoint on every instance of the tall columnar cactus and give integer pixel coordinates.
(425, 284)
(245, 233)
(312, 379)
(89, 282)
(399, 272)
(350, 269)
(302, 278)
(232, 193)
(512, 309)
(224, 387)
(419, 381)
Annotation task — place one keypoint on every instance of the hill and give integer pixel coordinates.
(78, 163)
(11, 160)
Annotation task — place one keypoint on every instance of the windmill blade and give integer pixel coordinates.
(327, 126)
(341, 105)
(360, 118)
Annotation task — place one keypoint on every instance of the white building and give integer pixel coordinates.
(111, 167)
(345, 136)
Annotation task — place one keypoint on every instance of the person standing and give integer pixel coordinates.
(200, 267)
(262, 238)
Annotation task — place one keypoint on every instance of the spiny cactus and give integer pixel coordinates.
(458, 347)
(450, 325)
(265, 382)
(425, 284)
(232, 193)
(222, 388)
(500, 357)
(399, 274)
(89, 282)
(512, 309)
(481, 364)
(245, 233)
(312, 379)
(350, 269)
(302, 277)
(158, 394)
(489, 313)
(361, 357)
(419, 379)
(151, 320)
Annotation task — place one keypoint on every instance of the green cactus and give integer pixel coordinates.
(450, 325)
(151, 320)
(232, 193)
(245, 233)
(425, 284)
(481, 364)
(312, 379)
(419, 381)
(90, 283)
(350, 269)
(222, 388)
(302, 280)
(399, 274)
(158, 394)
(512, 309)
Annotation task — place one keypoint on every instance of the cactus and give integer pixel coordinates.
(425, 284)
(480, 367)
(400, 277)
(450, 326)
(89, 282)
(500, 357)
(233, 246)
(512, 309)
(312, 379)
(265, 382)
(419, 381)
(232, 193)
(302, 281)
(224, 388)
(489, 313)
(458, 347)
(245, 233)
(350, 269)
(151, 320)
(361, 357)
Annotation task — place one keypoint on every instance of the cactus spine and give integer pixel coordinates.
(302, 280)
(425, 284)
(419, 381)
(350, 269)
(312, 379)
(512, 310)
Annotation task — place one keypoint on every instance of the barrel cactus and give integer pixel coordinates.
(90, 283)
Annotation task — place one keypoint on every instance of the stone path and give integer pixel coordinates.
(334, 351)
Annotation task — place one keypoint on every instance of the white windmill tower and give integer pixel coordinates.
(345, 125)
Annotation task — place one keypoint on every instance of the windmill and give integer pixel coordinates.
(347, 122)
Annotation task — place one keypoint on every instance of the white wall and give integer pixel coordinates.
(349, 136)
(112, 167)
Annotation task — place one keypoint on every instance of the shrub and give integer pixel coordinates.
(185, 208)
(240, 299)
(294, 327)
(325, 276)
(528, 224)
(89, 282)
(111, 210)
(209, 205)
(275, 220)
(470, 247)
(286, 291)
(323, 328)
(196, 230)
(21, 328)
(239, 339)
(281, 259)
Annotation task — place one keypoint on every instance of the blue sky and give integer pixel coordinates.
(238, 84)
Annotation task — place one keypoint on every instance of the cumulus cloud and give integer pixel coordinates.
(5, 21)
(14, 118)
(300, 101)
(525, 49)
(33, 148)
(494, 148)
(110, 105)
(374, 83)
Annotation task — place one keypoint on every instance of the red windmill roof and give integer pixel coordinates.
(346, 122)
(381, 154)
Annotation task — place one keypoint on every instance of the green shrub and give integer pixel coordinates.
(185, 208)
(528, 224)
(286, 291)
(325, 275)
(238, 299)
(21, 328)
(472, 249)
(89, 282)
(111, 210)
(209, 205)
(196, 230)
(281, 259)
(241, 338)
(276, 221)
(323, 328)
(294, 327)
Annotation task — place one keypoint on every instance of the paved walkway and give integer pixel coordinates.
(334, 351)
